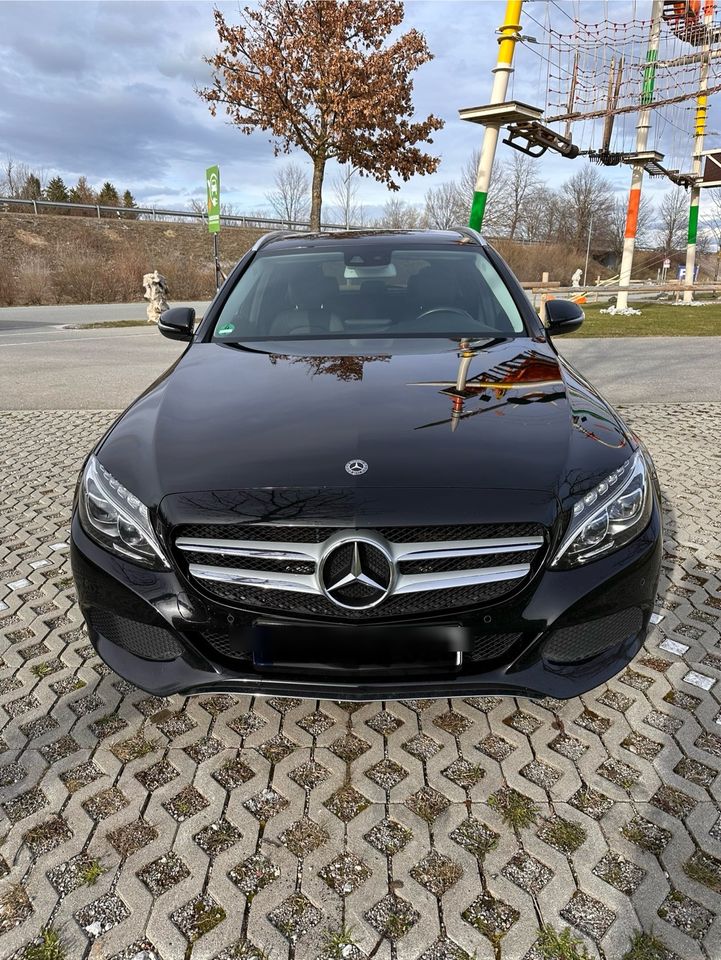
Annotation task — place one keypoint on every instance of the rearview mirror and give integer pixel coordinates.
(562, 316)
(177, 323)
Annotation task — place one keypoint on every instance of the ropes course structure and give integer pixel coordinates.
(632, 91)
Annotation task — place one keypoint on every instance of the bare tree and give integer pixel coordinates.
(399, 215)
(444, 206)
(345, 193)
(672, 220)
(586, 203)
(521, 180)
(541, 218)
(20, 181)
(290, 199)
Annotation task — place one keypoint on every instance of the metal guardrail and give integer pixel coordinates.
(229, 219)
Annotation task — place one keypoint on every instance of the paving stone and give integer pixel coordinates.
(392, 917)
(46, 836)
(217, 837)
(198, 917)
(163, 874)
(304, 836)
(526, 872)
(387, 773)
(388, 836)
(295, 916)
(491, 917)
(132, 837)
(437, 872)
(254, 873)
(686, 914)
(588, 915)
(620, 873)
(347, 803)
(101, 915)
(81, 870)
(73, 727)
(345, 873)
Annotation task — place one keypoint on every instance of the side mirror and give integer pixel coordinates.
(177, 323)
(562, 316)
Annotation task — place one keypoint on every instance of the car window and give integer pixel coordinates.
(367, 290)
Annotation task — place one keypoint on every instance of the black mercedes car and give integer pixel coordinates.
(370, 475)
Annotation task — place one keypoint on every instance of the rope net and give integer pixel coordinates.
(596, 76)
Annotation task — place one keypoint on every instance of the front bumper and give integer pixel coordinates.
(591, 620)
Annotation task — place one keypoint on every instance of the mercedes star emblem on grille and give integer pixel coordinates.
(356, 467)
(356, 574)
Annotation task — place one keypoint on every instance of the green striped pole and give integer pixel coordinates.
(509, 34)
(701, 110)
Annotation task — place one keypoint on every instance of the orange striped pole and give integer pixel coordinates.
(642, 131)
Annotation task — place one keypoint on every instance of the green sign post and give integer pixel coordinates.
(212, 183)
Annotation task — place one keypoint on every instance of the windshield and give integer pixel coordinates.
(369, 290)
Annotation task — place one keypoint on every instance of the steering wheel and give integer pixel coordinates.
(457, 310)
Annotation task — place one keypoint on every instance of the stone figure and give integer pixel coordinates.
(576, 278)
(156, 292)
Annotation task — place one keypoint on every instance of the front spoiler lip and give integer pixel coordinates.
(539, 680)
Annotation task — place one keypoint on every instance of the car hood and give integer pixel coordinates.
(507, 415)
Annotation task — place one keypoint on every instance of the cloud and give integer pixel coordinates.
(106, 90)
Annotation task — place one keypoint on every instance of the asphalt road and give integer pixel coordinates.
(28, 318)
(45, 367)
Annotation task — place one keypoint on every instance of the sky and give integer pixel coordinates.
(106, 90)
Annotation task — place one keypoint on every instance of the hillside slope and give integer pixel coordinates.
(49, 259)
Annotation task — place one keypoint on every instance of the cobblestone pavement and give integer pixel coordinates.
(231, 827)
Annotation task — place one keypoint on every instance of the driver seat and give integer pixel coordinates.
(311, 311)
(429, 288)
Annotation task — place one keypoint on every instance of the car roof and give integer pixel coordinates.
(288, 240)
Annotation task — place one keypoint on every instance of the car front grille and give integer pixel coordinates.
(430, 569)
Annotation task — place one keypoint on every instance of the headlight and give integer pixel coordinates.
(609, 515)
(116, 519)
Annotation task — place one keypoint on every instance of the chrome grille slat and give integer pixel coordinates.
(451, 548)
(504, 562)
(245, 548)
(417, 582)
(294, 582)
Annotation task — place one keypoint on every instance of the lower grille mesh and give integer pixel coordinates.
(493, 645)
(140, 639)
(405, 605)
(585, 640)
